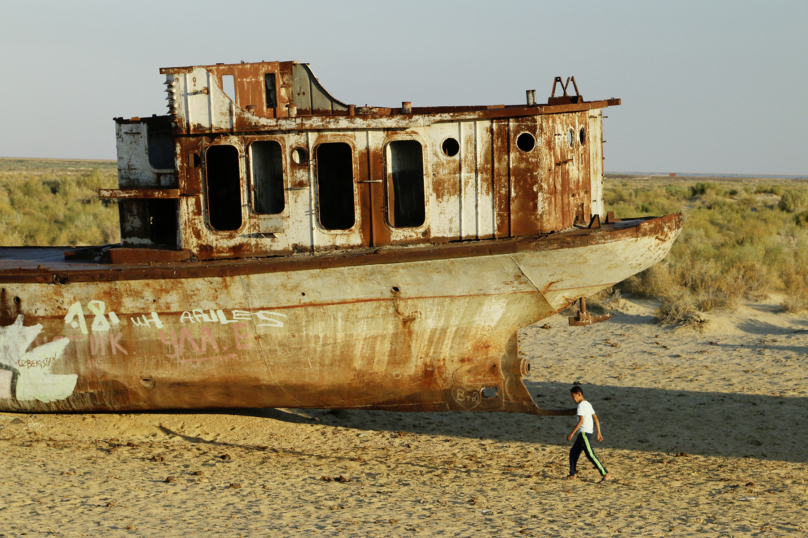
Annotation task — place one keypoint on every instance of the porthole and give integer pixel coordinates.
(571, 137)
(299, 156)
(525, 142)
(582, 136)
(450, 147)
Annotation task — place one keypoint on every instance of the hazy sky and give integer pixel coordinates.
(715, 87)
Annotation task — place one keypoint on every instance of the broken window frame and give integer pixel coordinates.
(275, 85)
(167, 134)
(390, 187)
(357, 210)
(207, 193)
(251, 185)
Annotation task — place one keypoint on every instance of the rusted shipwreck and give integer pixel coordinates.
(281, 248)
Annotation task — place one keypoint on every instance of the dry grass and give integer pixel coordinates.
(741, 240)
(46, 202)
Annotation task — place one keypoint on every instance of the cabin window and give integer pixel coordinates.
(525, 142)
(269, 84)
(406, 197)
(450, 147)
(160, 142)
(224, 187)
(335, 187)
(582, 136)
(229, 86)
(266, 167)
(571, 137)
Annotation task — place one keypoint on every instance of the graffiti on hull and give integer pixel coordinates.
(26, 374)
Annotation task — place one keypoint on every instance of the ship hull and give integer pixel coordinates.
(416, 334)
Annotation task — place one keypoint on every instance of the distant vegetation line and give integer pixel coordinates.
(688, 175)
(742, 239)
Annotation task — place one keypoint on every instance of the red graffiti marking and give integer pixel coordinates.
(98, 345)
(113, 344)
(242, 340)
(186, 334)
(179, 347)
(207, 336)
(172, 343)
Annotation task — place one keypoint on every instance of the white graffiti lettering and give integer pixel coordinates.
(75, 317)
(218, 316)
(148, 321)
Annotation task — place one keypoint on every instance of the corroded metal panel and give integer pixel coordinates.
(485, 187)
(445, 177)
(525, 173)
(134, 168)
(593, 141)
(501, 164)
(468, 181)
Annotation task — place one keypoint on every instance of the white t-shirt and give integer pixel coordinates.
(585, 410)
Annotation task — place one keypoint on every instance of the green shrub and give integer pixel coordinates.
(793, 201)
(700, 189)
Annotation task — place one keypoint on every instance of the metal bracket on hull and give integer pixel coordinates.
(583, 317)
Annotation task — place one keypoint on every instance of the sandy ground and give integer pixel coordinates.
(704, 432)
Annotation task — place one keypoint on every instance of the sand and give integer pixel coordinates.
(703, 431)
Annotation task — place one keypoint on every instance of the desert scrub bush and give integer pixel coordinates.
(654, 282)
(777, 190)
(793, 201)
(676, 309)
(795, 283)
(700, 189)
(42, 206)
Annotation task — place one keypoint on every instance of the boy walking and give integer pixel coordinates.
(587, 419)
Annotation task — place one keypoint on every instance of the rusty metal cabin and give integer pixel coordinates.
(281, 167)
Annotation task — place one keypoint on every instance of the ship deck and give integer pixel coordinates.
(49, 265)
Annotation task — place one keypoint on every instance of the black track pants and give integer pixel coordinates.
(583, 443)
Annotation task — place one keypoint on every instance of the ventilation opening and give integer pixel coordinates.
(224, 189)
(229, 87)
(525, 142)
(266, 164)
(450, 147)
(160, 142)
(489, 392)
(335, 192)
(582, 136)
(406, 159)
(269, 84)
